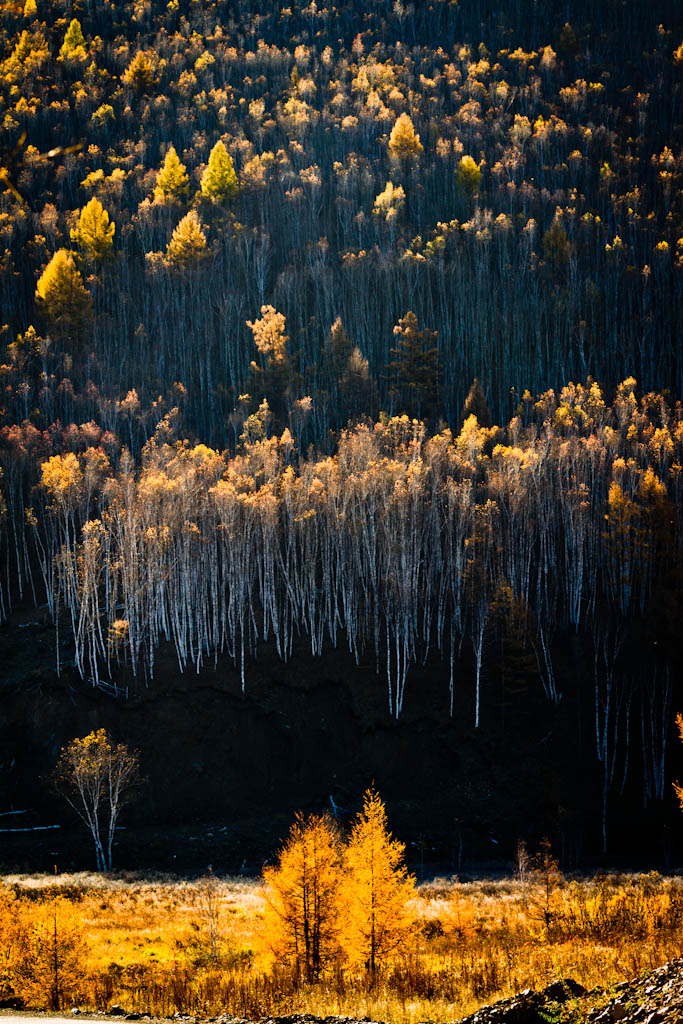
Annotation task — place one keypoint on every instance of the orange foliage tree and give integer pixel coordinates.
(377, 889)
(302, 897)
(50, 967)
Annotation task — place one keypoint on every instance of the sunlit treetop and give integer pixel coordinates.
(404, 142)
(172, 182)
(94, 233)
(219, 180)
(74, 47)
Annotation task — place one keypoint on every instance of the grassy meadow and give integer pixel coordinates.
(164, 945)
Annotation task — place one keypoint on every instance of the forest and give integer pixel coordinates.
(354, 326)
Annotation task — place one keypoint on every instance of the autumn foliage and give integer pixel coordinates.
(329, 903)
(195, 947)
(302, 915)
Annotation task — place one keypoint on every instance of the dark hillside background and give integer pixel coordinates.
(225, 771)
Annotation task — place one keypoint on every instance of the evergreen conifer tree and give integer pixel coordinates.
(413, 374)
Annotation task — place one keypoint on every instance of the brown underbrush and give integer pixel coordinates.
(164, 945)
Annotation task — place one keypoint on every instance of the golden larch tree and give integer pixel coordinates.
(172, 182)
(302, 897)
(468, 177)
(377, 889)
(94, 233)
(404, 142)
(74, 47)
(63, 297)
(219, 181)
(187, 247)
(49, 970)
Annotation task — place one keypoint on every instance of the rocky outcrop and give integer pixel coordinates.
(529, 1007)
(656, 998)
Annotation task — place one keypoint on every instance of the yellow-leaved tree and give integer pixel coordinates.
(62, 296)
(172, 182)
(376, 890)
(96, 777)
(404, 142)
(94, 233)
(219, 181)
(187, 247)
(468, 177)
(49, 968)
(74, 47)
(301, 925)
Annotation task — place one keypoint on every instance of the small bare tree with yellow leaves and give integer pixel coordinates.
(96, 777)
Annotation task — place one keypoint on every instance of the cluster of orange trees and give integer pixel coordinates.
(326, 900)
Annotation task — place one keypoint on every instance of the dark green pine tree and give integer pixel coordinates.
(413, 374)
(476, 405)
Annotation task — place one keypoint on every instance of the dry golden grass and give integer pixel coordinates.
(149, 944)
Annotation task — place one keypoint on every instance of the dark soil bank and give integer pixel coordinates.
(225, 771)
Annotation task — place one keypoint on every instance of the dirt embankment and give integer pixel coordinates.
(225, 770)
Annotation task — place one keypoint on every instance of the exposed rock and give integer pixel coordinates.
(656, 998)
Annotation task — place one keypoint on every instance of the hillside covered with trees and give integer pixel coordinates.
(354, 327)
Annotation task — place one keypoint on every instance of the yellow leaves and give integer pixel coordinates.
(172, 184)
(468, 176)
(470, 442)
(390, 202)
(404, 143)
(269, 334)
(141, 73)
(61, 293)
(62, 477)
(46, 963)
(377, 888)
(324, 901)
(301, 919)
(94, 233)
(187, 248)
(219, 181)
(117, 633)
(74, 47)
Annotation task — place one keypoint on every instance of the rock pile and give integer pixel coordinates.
(529, 1007)
(654, 999)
